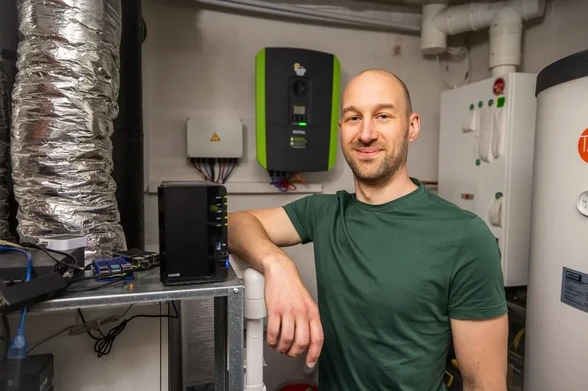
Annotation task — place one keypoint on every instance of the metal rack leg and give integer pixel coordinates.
(235, 340)
(220, 343)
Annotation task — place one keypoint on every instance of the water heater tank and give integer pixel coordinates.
(556, 342)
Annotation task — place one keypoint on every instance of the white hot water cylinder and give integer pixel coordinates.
(556, 341)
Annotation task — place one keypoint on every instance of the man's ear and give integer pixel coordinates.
(414, 127)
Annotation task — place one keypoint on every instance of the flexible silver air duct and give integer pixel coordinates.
(4, 149)
(64, 102)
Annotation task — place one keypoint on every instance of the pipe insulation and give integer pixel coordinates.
(4, 149)
(64, 103)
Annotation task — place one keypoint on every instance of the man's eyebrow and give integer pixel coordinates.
(349, 108)
(380, 106)
(383, 106)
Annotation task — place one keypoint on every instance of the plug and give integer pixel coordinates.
(18, 346)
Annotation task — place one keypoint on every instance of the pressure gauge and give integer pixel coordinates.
(582, 203)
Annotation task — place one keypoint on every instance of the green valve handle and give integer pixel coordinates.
(498, 195)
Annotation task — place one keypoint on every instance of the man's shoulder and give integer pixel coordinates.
(445, 212)
(455, 224)
(327, 198)
(307, 212)
(318, 203)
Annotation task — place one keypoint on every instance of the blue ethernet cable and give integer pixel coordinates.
(18, 346)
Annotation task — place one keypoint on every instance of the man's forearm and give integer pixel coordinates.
(478, 386)
(249, 241)
(472, 387)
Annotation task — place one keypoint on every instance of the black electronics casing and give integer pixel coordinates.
(34, 372)
(192, 232)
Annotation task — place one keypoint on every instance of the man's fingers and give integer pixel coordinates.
(301, 337)
(316, 342)
(273, 329)
(286, 334)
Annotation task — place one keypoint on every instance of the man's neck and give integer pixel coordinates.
(399, 185)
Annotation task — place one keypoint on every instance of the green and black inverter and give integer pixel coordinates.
(297, 109)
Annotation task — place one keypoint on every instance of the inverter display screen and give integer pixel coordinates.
(299, 110)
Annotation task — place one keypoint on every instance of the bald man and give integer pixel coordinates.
(402, 274)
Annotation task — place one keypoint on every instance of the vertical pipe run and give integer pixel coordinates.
(64, 103)
(9, 33)
(4, 149)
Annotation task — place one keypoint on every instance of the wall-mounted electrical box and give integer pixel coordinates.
(297, 109)
(214, 138)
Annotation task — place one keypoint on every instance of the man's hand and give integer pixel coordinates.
(293, 316)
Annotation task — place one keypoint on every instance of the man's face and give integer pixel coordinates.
(376, 127)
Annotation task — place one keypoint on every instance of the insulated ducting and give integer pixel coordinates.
(4, 150)
(64, 103)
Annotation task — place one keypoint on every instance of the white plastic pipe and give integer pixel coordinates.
(433, 41)
(254, 311)
(477, 16)
(254, 370)
(305, 13)
(504, 20)
(254, 294)
(506, 34)
(466, 17)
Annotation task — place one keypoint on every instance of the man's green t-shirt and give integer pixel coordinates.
(390, 277)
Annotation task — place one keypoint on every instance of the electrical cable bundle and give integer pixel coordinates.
(104, 342)
(206, 167)
(284, 181)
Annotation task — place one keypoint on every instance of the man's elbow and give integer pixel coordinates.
(478, 383)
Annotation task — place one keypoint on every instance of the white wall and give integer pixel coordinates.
(202, 63)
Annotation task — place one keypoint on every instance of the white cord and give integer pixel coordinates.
(454, 52)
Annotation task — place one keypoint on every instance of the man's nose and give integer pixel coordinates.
(367, 133)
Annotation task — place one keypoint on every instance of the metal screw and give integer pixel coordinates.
(235, 290)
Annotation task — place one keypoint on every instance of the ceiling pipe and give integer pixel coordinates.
(504, 21)
(314, 15)
(506, 35)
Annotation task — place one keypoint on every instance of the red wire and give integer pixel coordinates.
(202, 172)
(223, 168)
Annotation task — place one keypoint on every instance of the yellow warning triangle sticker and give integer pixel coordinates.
(215, 137)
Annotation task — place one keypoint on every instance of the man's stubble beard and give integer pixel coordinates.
(369, 174)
